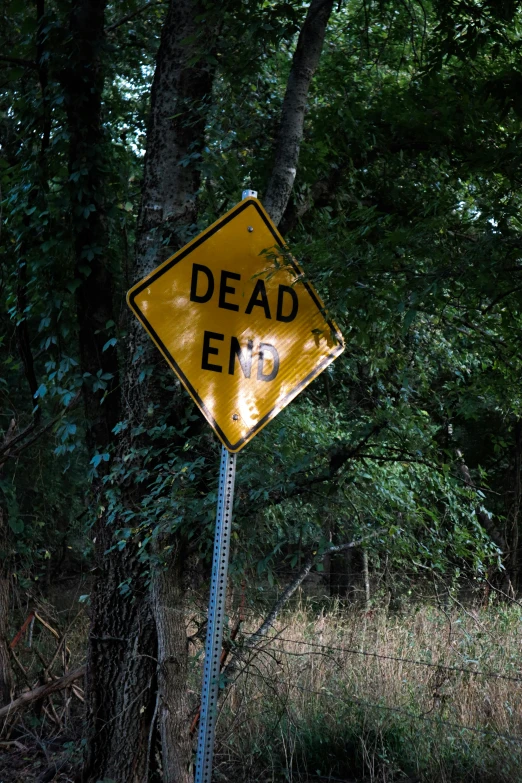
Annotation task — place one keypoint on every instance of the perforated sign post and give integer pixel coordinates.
(245, 333)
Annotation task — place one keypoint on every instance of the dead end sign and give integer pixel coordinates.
(235, 319)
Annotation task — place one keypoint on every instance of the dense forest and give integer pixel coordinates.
(385, 141)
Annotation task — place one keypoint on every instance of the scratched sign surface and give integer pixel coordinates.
(233, 317)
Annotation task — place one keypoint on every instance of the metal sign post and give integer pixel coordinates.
(216, 610)
(245, 333)
(216, 616)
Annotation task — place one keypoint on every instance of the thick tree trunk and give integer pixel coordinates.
(136, 641)
(305, 61)
(513, 512)
(83, 82)
(121, 654)
(173, 704)
(180, 97)
(121, 668)
(6, 674)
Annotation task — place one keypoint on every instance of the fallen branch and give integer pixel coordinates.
(22, 630)
(42, 691)
(257, 636)
(78, 693)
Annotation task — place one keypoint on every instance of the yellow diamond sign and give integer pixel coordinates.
(238, 324)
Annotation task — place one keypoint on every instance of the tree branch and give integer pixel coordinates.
(340, 456)
(8, 442)
(42, 691)
(6, 447)
(304, 63)
(127, 18)
(268, 623)
(484, 517)
(321, 194)
(18, 61)
(337, 458)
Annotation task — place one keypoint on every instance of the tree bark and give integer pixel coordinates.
(366, 575)
(122, 645)
(83, 82)
(305, 61)
(513, 514)
(136, 642)
(180, 96)
(173, 704)
(179, 101)
(6, 674)
(121, 668)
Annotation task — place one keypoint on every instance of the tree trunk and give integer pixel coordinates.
(129, 634)
(6, 674)
(513, 515)
(173, 704)
(340, 572)
(305, 61)
(179, 102)
(180, 98)
(366, 576)
(83, 82)
(121, 667)
(121, 653)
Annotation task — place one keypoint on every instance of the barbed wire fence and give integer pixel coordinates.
(444, 687)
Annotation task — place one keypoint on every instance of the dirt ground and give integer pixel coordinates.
(35, 760)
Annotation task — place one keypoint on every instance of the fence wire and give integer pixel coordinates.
(412, 661)
(517, 738)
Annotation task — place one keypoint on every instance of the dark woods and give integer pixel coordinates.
(384, 139)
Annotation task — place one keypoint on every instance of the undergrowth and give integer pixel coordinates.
(343, 695)
(335, 694)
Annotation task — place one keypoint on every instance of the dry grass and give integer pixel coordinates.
(326, 699)
(346, 710)
(33, 740)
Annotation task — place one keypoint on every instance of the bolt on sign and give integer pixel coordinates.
(234, 317)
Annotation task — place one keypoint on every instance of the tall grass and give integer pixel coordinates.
(325, 699)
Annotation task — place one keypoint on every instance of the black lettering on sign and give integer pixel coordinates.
(225, 289)
(285, 289)
(244, 356)
(194, 296)
(208, 349)
(259, 299)
(261, 375)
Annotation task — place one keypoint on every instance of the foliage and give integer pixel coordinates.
(405, 215)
